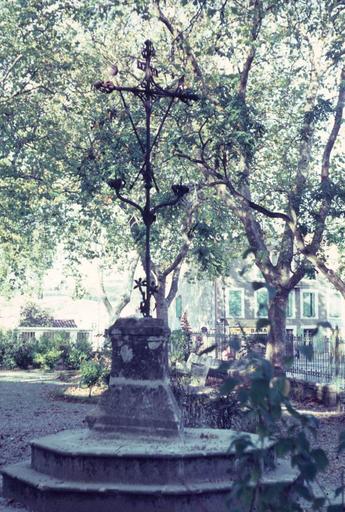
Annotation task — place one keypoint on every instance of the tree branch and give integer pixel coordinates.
(335, 129)
(178, 260)
(12, 66)
(187, 231)
(174, 285)
(185, 46)
(327, 196)
(255, 29)
(104, 296)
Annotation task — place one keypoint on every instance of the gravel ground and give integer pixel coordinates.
(331, 424)
(27, 411)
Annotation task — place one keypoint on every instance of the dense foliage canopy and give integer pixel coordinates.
(261, 151)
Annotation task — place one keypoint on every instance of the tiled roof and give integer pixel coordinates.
(64, 323)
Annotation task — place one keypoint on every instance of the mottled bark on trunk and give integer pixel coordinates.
(161, 301)
(276, 341)
(114, 310)
(164, 299)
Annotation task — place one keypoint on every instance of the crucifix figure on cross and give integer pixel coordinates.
(147, 91)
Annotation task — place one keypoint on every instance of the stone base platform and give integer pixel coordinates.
(79, 471)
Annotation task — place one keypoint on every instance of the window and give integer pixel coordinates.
(309, 304)
(82, 336)
(309, 332)
(262, 303)
(178, 306)
(236, 303)
(290, 311)
(27, 336)
(335, 304)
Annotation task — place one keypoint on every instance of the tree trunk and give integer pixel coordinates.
(164, 300)
(333, 277)
(276, 341)
(124, 298)
(161, 301)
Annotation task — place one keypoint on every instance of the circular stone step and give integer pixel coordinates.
(201, 455)
(45, 493)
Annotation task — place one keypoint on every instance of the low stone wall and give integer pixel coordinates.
(203, 407)
(325, 394)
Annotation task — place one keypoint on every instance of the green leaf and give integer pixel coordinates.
(325, 325)
(318, 503)
(235, 344)
(303, 491)
(261, 323)
(243, 395)
(339, 491)
(208, 350)
(229, 385)
(267, 369)
(247, 252)
(259, 390)
(284, 446)
(288, 361)
(320, 458)
(256, 285)
(241, 444)
(308, 471)
(303, 441)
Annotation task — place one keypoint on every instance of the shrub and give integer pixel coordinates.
(53, 346)
(45, 352)
(91, 374)
(24, 352)
(6, 348)
(74, 358)
(45, 343)
(52, 357)
(179, 346)
(48, 359)
(8, 362)
(264, 396)
(106, 376)
(14, 351)
(75, 354)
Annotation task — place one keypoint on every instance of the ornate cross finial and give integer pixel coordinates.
(148, 91)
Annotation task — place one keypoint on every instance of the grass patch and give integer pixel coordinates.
(77, 394)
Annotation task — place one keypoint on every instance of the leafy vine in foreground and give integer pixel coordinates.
(264, 397)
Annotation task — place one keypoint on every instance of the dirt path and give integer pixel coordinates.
(331, 424)
(27, 411)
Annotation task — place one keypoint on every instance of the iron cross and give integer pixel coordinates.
(148, 91)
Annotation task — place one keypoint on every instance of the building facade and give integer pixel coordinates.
(234, 303)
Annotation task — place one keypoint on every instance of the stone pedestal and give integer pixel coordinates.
(139, 400)
(135, 457)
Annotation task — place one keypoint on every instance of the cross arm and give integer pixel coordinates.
(166, 203)
(108, 87)
(181, 95)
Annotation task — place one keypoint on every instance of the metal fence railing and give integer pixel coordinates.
(317, 360)
(224, 345)
(210, 339)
